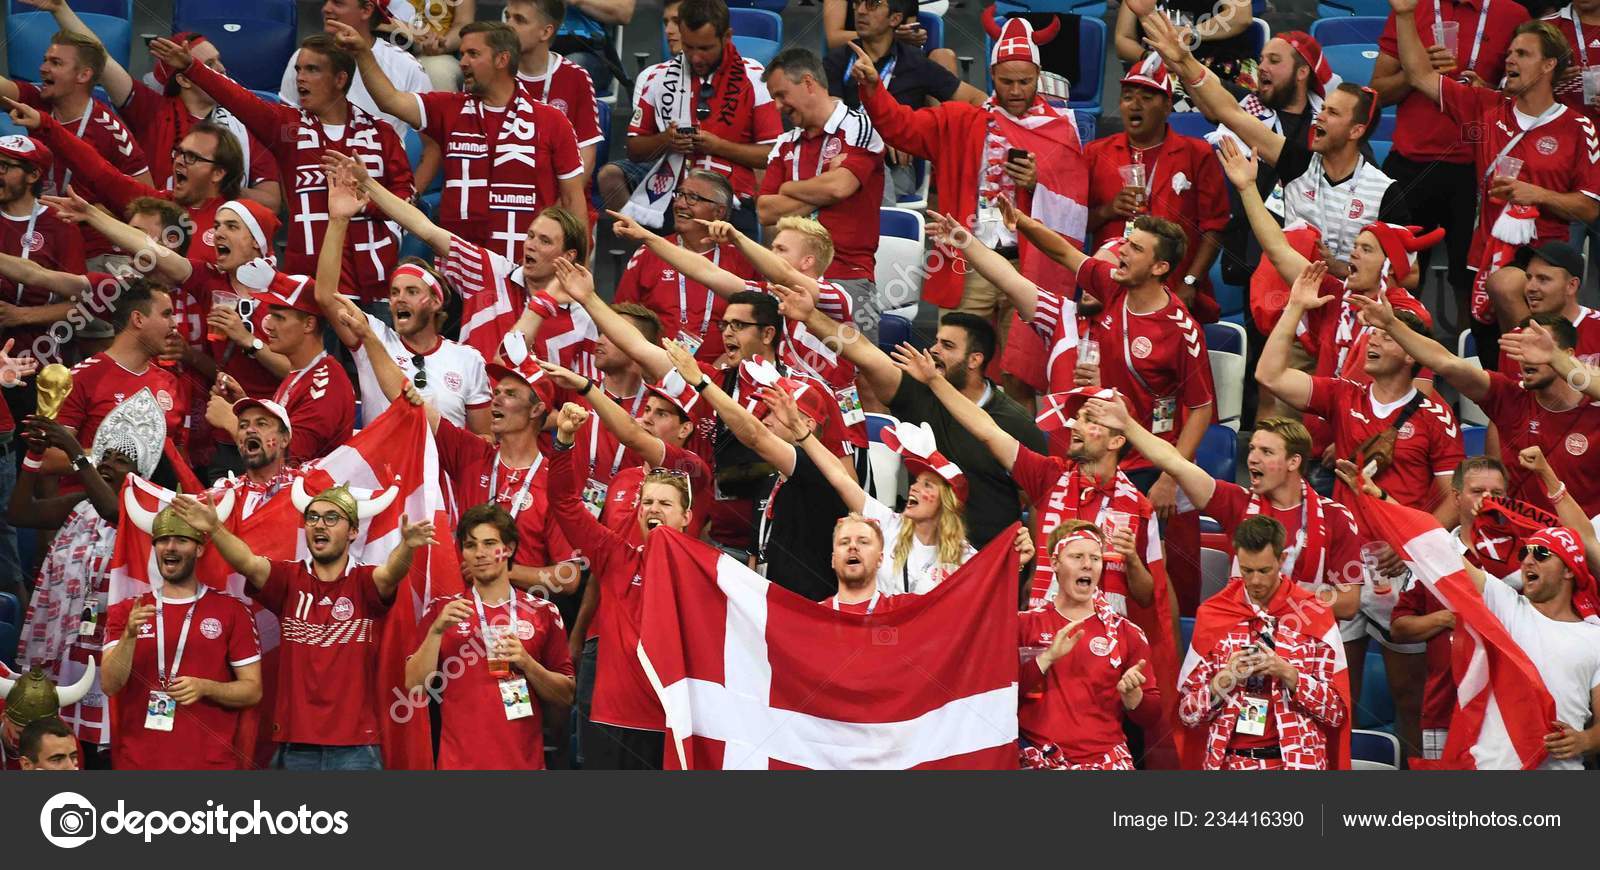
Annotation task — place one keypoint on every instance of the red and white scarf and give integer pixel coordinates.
(1066, 503)
(1312, 538)
(72, 574)
(375, 241)
(494, 172)
(1498, 530)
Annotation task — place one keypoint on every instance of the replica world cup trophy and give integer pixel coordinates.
(54, 384)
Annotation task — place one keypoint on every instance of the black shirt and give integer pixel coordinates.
(799, 551)
(912, 79)
(1295, 158)
(993, 502)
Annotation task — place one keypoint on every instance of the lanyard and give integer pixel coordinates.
(822, 149)
(594, 436)
(1477, 38)
(683, 295)
(1293, 556)
(27, 237)
(1577, 30)
(884, 75)
(871, 605)
(494, 483)
(483, 621)
(1544, 117)
(183, 638)
(1127, 352)
(287, 390)
(83, 124)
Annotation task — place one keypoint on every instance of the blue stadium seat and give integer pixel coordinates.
(1380, 150)
(412, 246)
(1352, 63)
(757, 33)
(1219, 452)
(1472, 439)
(1185, 633)
(1088, 124)
(1348, 30)
(254, 50)
(28, 32)
(1087, 8)
(1230, 297)
(1386, 122)
(10, 609)
(9, 635)
(186, 14)
(1260, 32)
(271, 96)
(876, 423)
(1375, 707)
(773, 6)
(935, 27)
(1224, 339)
(1191, 124)
(1336, 8)
(602, 150)
(1374, 750)
(893, 330)
(1089, 79)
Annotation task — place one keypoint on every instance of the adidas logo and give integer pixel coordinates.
(325, 600)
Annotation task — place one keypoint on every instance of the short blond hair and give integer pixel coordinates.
(818, 240)
(854, 517)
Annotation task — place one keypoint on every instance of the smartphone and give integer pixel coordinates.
(1016, 154)
(688, 131)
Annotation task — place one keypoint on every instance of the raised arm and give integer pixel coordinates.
(919, 365)
(832, 467)
(383, 92)
(1023, 293)
(1241, 171)
(1572, 514)
(113, 78)
(268, 122)
(1195, 482)
(579, 284)
(691, 265)
(1273, 371)
(413, 537)
(612, 416)
(1420, 72)
(871, 363)
(399, 210)
(750, 431)
(203, 517)
(1535, 345)
(27, 272)
(1209, 95)
(345, 201)
(1468, 378)
(168, 263)
(1054, 245)
(771, 266)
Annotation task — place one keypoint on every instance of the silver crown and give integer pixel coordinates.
(137, 429)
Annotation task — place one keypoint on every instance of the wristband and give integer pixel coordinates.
(32, 463)
(588, 384)
(81, 462)
(1559, 494)
(701, 387)
(1205, 72)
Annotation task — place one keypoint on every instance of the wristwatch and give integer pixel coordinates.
(256, 346)
(82, 462)
(1190, 280)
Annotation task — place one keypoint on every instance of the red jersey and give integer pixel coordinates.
(1157, 360)
(1422, 132)
(328, 664)
(298, 140)
(1183, 183)
(322, 408)
(53, 244)
(566, 336)
(99, 127)
(474, 733)
(1584, 39)
(206, 280)
(221, 636)
(568, 88)
(601, 455)
(1587, 350)
(1333, 553)
(847, 140)
(621, 513)
(1564, 436)
(1427, 445)
(498, 177)
(1439, 695)
(478, 475)
(159, 124)
(1058, 494)
(809, 354)
(741, 110)
(623, 696)
(1078, 707)
(1559, 151)
(684, 305)
(100, 384)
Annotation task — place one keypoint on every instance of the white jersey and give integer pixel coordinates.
(456, 380)
(1566, 654)
(1338, 211)
(403, 71)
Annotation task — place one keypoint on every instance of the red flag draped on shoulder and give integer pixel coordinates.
(395, 450)
(1502, 706)
(752, 676)
(1293, 605)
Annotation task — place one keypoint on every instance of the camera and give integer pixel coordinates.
(72, 820)
(885, 635)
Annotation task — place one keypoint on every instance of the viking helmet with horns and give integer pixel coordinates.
(1016, 39)
(168, 523)
(33, 696)
(355, 508)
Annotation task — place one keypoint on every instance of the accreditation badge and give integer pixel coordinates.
(1164, 415)
(850, 405)
(689, 342)
(514, 696)
(594, 496)
(1252, 716)
(160, 712)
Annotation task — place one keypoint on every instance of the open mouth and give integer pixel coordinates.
(652, 522)
(852, 561)
(252, 444)
(402, 313)
(1255, 476)
(1083, 582)
(319, 539)
(1372, 355)
(179, 175)
(223, 248)
(1318, 132)
(171, 560)
(496, 414)
(1135, 119)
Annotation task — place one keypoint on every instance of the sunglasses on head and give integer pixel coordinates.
(702, 109)
(1539, 552)
(420, 379)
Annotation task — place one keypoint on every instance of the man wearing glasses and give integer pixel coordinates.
(689, 310)
(707, 109)
(326, 717)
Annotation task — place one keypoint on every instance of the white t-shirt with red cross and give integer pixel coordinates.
(456, 379)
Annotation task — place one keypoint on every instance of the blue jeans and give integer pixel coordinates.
(10, 563)
(309, 756)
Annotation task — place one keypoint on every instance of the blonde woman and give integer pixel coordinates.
(928, 541)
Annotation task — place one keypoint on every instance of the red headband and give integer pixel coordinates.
(422, 275)
(1084, 534)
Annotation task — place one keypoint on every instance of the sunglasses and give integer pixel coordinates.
(656, 475)
(702, 109)
(329, 519)
(1539, 552)
(421, 378)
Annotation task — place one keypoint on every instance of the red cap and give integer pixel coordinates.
(529, 373)
(1568, 547)
(291, 291)
(1057, 411)
(1310, 51)
(30, 151)
(1150, 73)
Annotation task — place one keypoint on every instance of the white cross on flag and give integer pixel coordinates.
(1503, 709)
(752, 676)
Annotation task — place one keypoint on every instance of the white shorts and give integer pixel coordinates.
(1353, 628)
(1433, 743)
